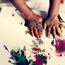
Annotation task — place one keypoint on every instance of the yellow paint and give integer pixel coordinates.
(45, 26)
(48, 34)
(61, 31)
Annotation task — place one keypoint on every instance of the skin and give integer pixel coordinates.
(30, 16)
(52, 21)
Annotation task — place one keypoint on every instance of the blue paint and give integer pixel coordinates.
(52, 43)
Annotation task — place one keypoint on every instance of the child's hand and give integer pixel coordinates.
(35, 25)
(52, 23)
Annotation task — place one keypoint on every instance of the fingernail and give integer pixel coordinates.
(45, 27)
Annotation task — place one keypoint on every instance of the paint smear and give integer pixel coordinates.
(60, 46)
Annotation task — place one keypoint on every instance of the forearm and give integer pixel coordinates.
(22, 7)
(54, 7)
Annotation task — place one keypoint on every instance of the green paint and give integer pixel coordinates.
(30, 60)
(61, 42)
(59, 26)
(36, 23)
(11, 62)
(31, 63)
(52, 18)
(10, 58)
(23, 58)
(24, 46)
(57, 43)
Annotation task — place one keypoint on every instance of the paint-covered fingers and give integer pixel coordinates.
(41, 29)
(49, 30)
(36, 32)
(45, 25)
(54, 32)
(59, 31)
(31, 30)
(39, 32)
(61, 25)
(40, 24)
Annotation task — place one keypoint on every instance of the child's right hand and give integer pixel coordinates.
(35, 25)
(34, 21)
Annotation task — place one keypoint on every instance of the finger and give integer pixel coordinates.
(62, 26)
(60, 29)
(54, 32)
(59, 32)
(49, 30)
(45, 26)
(36, 32)
(39, 31)
(40, 24)
(31, 31)
(41, 27)
(38, 28)
(36, 23)
(42, 32)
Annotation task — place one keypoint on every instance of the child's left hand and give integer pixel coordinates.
(52, 23)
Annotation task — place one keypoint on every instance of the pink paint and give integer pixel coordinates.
(60, 44)
(39, 60)
(62, 1)
(33, 52)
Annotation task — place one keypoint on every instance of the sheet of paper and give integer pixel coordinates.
(12, 34)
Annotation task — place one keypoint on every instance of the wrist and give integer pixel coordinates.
(51, 18)
(31, 15)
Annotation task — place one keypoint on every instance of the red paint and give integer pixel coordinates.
(36, 34)
(37, 17)
(25, 3)
(26, 15)
(32, 33)
(41, 32)
(39, 35)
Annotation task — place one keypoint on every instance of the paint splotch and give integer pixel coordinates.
(60, 46)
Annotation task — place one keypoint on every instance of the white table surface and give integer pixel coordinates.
(12, 34)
